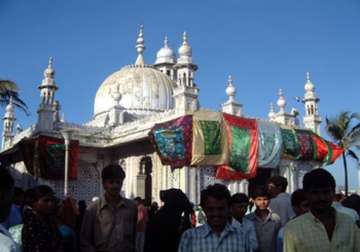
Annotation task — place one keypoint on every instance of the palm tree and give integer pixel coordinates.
(9, 89)
(341, 131)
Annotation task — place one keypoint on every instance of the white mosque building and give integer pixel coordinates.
(127, 105)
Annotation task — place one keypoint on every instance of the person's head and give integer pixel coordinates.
(154, 206)
(353, 202)
(19, 196)
(215, 201)
(112, 178)
(319, 185)
(339, 197)
(299, 202)
(175, 200)
(238, 205)
(6, 193)
(261, 198)
(138, 200)
(276, 185)
(43, 200)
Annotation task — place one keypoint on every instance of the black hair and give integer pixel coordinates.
(6, 180)
(217, 191)
(298, 197)
(41, 191)
(112, 171)
(260, 191)
(239, 198)
(278, 181)
(318, 178)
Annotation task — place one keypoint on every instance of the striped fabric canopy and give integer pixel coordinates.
(236, 145)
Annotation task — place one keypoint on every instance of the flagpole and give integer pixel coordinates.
(66, 133)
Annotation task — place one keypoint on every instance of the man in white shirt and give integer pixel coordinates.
(281, 201)
(7, 244)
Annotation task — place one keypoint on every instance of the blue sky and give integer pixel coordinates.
(265, 45)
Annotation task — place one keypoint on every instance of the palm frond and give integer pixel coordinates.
(8, 85)
(353, 137)
(333, 129)
(355, 116)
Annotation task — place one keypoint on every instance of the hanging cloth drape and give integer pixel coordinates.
(270, 142)
(210, 143)
(173, 141)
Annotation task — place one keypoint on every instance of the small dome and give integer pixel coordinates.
(281, 101)
(165, 54)
(309, 86)
(137, 89)
(230, 90)
(185, 49)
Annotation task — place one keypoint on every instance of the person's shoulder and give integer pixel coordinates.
(344, 218)
(6, 243)
(250, 216)
(129, 203)
(93, 206)
(275, 217)
(297, 222)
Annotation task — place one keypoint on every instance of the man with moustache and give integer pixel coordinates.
(322, 229)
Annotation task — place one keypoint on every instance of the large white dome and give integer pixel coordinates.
(138, 89)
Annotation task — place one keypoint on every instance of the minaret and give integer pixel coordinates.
(8, 128)
(271, 114)
(186, 94)
(231, 106)
(185, 67)
(282, 116)
(47, 98)
(312, 119)
(165, 60)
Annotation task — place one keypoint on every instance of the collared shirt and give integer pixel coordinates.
(351, 212)
(7, 244)
(203, 239)
(248, 234)
(266, 230)
(307, 233)
(109, 228)
(281, 205)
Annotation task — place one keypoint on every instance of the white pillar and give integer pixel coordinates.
(66, 133)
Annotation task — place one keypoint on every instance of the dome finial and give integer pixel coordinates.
(166, 42)
(230, 90)
(308, 76)
(309, 86)
(140, 47)
(185, 38)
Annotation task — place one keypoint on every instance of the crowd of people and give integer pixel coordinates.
(313, 218)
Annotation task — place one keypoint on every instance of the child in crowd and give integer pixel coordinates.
(300, 205)
(267, 224)
(40, 232)
(239, 204)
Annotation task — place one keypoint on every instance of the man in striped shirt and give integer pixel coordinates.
(217, 234)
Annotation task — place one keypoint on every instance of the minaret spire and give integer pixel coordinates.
(281, 101)
(231, 106)
(140, 47)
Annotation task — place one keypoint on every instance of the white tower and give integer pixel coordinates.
(282, 116)
(165, 60)
(231, 106)
(186, 94)
(47, 98)
(8, 128)
(312, 118)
